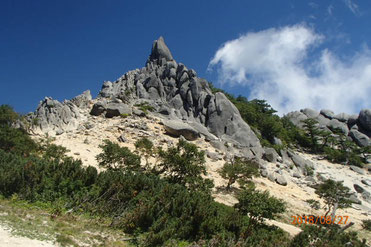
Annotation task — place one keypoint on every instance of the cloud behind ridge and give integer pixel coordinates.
(275, 64)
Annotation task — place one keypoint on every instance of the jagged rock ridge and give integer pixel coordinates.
(177, 93)
(357, 127)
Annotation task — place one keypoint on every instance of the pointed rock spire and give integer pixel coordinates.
(160, 50)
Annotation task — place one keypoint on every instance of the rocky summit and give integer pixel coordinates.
(172, 90)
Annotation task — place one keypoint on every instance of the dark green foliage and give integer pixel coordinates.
(258, 205)
(16, 141)
(335, 195)
(38, 179)
(366, 224)
(314, 204)
(315, 236)
(145, 147)
(183, 164)
(116, 157)
(11, 139)
(239, 170)
(7, 115)
(52, 152)
(314, 133)
(344, 151)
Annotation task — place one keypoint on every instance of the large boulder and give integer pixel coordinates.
(98, 108)
(281, 180)
(225, 119)
(178, 128)
(297, 118)
(342, 117)
(302, 164)
(359, 138)
(327, 113)
(270, 155)
(365, 119)
(310, 113)
(335, 124)
(117, 109)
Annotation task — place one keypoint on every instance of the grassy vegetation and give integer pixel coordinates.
(39, 221)
(145, 107)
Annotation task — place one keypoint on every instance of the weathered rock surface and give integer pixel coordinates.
(357, 170)
(178, 128)
(176, 92)
(328, 113)
(357, 127)
(280, 179)
(361, 139)
(310, 113)
(365, 119)
(335, 125)
(296, 118)
(117, 109)
(52, 115)
(270, 155)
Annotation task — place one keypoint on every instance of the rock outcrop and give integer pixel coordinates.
(176, 93)
(52, 115)
(357, 127)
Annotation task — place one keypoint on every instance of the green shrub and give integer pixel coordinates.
(184, 164)
(116, 157)
(239, 170)
(145, 107)
(258, 205)
(316, 236)
(125, 115)
(366, 224)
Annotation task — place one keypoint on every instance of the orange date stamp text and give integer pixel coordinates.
(319, 220)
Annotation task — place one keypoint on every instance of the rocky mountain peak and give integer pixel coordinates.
(160, 51)
(174, 92)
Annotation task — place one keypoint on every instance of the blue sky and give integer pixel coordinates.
(61, 48)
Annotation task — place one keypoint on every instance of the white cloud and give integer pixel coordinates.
(274, 65)
(352, 6)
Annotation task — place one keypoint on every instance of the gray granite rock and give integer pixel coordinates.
(359, 138)
(270, 155)
(327, 113)
(365, 119)
(357, 170)
(177, 128)
(280, 179)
